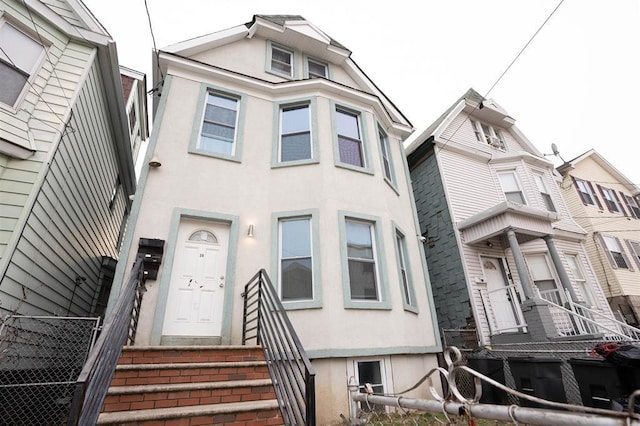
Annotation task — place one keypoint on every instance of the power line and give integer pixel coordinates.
(153, 39)
(503, 73)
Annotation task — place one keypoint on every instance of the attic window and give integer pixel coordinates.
(316, 69)
(281, 61)
(488, 134)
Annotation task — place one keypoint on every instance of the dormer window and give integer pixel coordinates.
(281, 61)
(488, 134)
(317, 69)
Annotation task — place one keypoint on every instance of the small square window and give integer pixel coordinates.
(488, 134)
(281, 61)
(317, 69)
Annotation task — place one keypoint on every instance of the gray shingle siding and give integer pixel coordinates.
(450, 293)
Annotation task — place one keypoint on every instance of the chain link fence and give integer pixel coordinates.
(40, 360)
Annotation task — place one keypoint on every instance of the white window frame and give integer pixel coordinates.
(30, 73)
(309, 74)
(514, 173)
(547, 200)
(615, 252)
(634, 249)
(358, 139)
(386, 158)
(282, 257)
(488, 134)
(384, 364)
(375, 232)
(582, 186)
(195, 146)
(632, 204)
(270, 60)
(281, 134)
(405, 278)
(560, 297)
(611, 200)
(276, 219)
(580, 279)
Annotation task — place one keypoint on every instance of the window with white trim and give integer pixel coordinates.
(281, 61)
(385, 153)
(295, 133)
(511, 187)
(634, 249)
(579, 279)
(219, 123)
(350, 148)
(543, 278)
(20, 57)
(488, 134)
(371, 373)
(610, 199)
(361, 261)
(317, 68)
(633, 206)
(618, 258)
(405, 284)
(544, 192)
(295, 259)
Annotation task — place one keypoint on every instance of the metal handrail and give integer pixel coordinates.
(93, 382)
(266, 321)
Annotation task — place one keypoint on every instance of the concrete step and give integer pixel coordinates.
(235, 413)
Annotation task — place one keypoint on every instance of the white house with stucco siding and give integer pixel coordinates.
(273, 149)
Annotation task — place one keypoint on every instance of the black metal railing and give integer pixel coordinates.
(266, 321)
(120, 328)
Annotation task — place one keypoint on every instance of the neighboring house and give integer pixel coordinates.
(278, 152)
(500, 240)
(607, 205)
(134, 90)
(66, 169)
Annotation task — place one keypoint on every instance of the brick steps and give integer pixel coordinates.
(191, 385)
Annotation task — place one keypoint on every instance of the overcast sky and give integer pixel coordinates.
(576, 85)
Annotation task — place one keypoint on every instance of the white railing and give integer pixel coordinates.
(502, 309)
(579, 320)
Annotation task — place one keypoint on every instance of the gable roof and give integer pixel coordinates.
(602, 162)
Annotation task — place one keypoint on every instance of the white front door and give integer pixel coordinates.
(502, 296)
(196, 292)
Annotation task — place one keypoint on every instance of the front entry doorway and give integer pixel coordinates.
(195, 307)
(502, 295)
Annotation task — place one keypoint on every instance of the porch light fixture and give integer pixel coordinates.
(250, 231)
(155, 161)
(489, 244)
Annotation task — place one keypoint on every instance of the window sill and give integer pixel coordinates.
(301, 304)
(391, 184)
(365, 304)
(411, 309)
(355, 168)
(281, 164)
(205, 153)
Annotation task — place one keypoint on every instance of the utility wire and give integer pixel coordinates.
(503, 74)
(155, 49)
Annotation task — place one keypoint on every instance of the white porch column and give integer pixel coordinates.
(520, 264)
(557, 263)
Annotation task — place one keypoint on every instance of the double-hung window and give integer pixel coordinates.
(350, 148)
(585, 191)
(611, 199)
(634, 249)
(281, 61)
(632, 205)
(579, 279)
(543, 278)
(361, 256)
(295, 259)
(317, 69)
(295, 133)
(406, 286)
(385, 154)
(544, 192)
(511, 187)
(20, 57)
(488, 134)
(219, 123)
(616, 255)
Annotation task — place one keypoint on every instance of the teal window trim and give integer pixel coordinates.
(385, 146)
(400, 239)
(313, 124)
(307, 58)
(362, 123)
(270, 70)
(316, 302)
(384, 301)
(205, 89)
